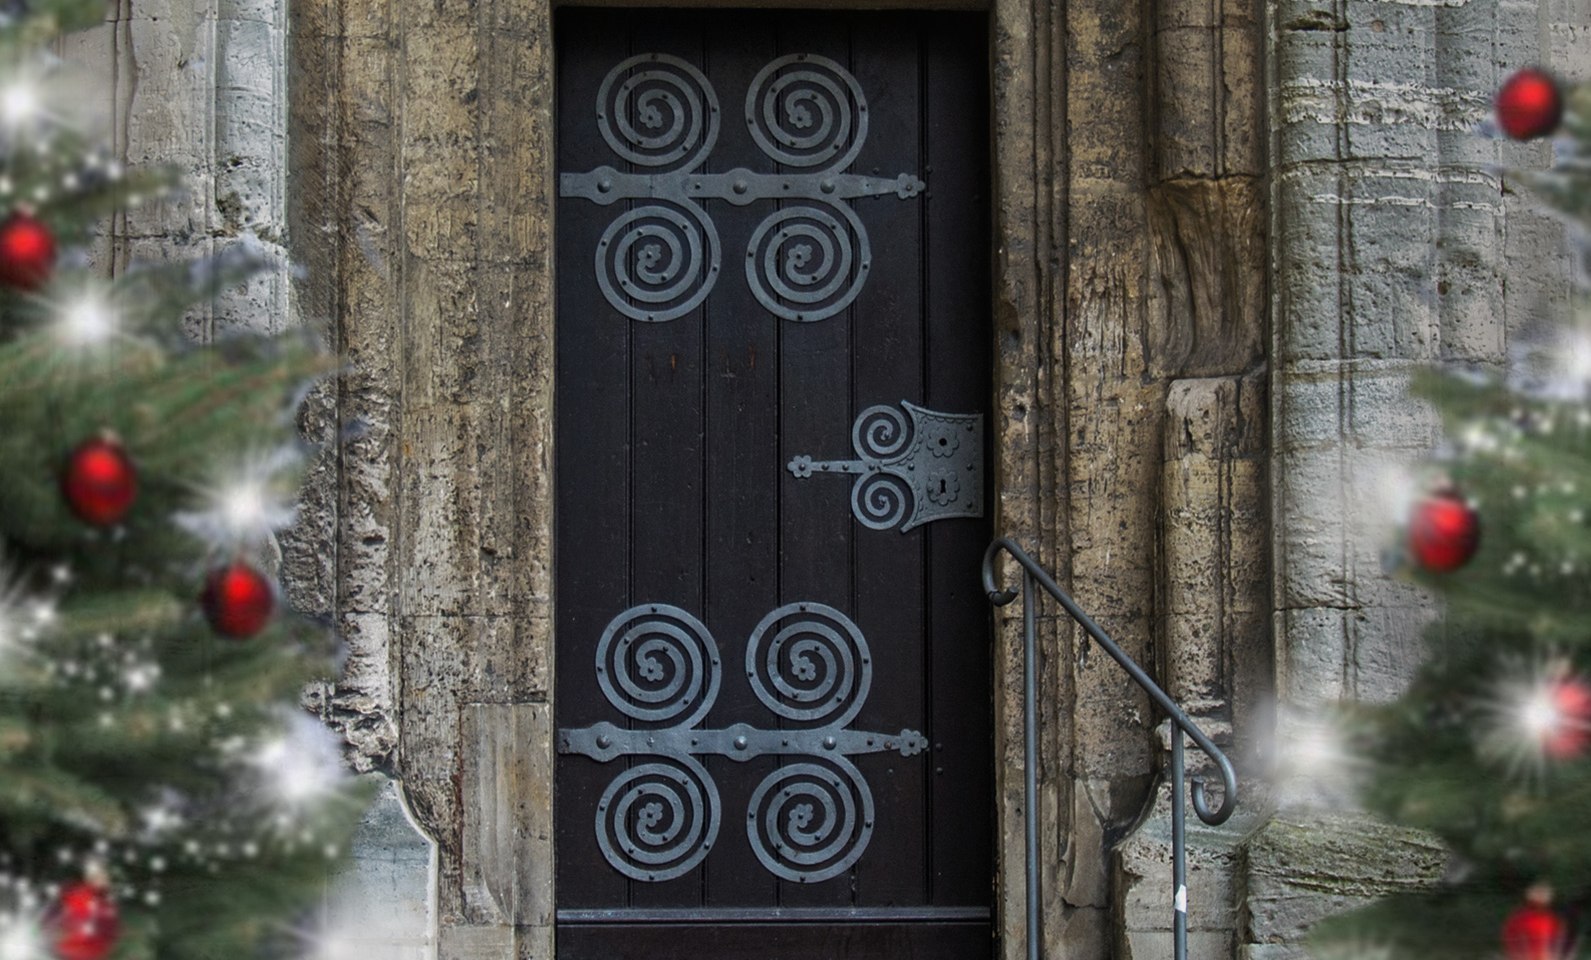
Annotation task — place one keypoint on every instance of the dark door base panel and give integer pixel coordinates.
(969, 940)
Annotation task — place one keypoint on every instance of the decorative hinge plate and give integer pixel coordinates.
(932, 466)
(806, 821)
(806, 261)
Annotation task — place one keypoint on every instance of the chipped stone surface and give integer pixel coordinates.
(1300, 871)
(421, 138)
(1143, 896)
(1213, 546)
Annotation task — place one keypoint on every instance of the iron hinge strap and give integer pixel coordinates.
(604, 741)
(605, 185)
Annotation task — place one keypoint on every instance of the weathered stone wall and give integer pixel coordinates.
(421, 149)
(201, 86)
(1130, 321)
(1206, 383)
(1396, 242)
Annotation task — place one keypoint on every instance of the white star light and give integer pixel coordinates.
(1538, 716)
(1385, 492)
(20, 103)
(243, 506)
(330, 945)
(1576, 358)
(88, 320)
(301, 766)
(21, 938)
(1564, 366)
(141, 677)
(160, 819)
(21, 618)
(247, 504)
(1316, 764)
(1394, 489)
(1479, 437)
(1523, 718)
(1318, 751)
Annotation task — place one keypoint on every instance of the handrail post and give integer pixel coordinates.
(1179, 851)
(1030, 757)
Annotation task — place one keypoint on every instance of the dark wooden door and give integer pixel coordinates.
(773, 672)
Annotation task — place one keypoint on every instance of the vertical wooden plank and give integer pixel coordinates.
(816, 410)
(744, 465)
(959, 363)
(593, 468)
(887, 357)
(667, 434)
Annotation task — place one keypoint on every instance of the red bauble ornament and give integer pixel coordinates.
(1535, 931)
(99, 482)
(83, 924)
(27, 252)
(238, 600)
(1443, 532)
(1570, 732)
(1529, 104)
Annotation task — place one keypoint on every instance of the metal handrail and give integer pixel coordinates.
(1035, 574)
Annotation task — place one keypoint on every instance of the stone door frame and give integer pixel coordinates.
(421, 144)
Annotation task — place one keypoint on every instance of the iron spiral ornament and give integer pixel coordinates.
(657, 110)
(808, 662)
(880, 501)
(659, 663)
(804, 110)
(810, 821)
(882, 432)
(806, 264)
(913, 466)
(659, 820)
(658, 262)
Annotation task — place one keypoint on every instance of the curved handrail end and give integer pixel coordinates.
(1201, 804)
(1179, 719)
(997, 596)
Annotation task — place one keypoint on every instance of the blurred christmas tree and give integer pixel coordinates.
(1489, 746)
(161, 794)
